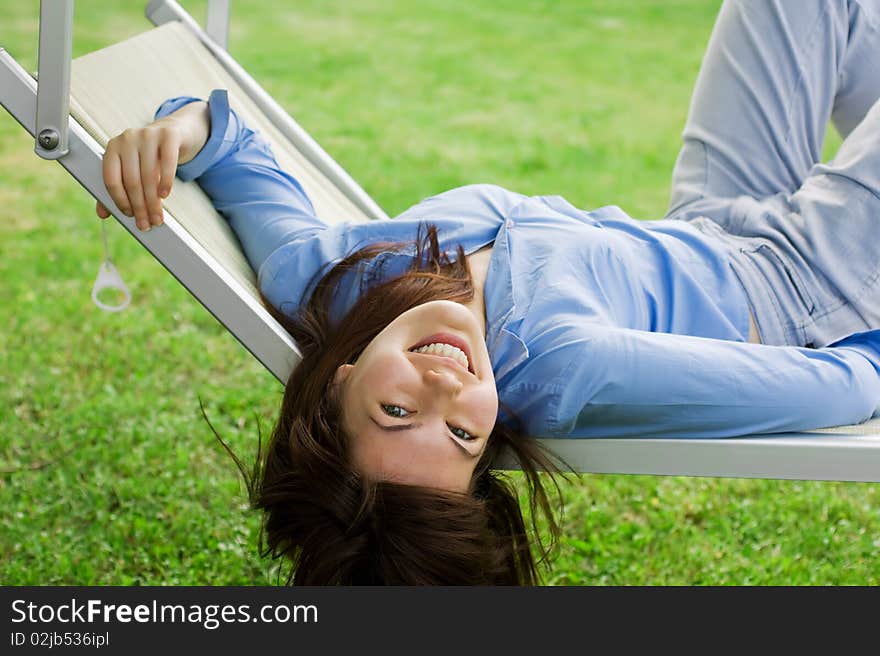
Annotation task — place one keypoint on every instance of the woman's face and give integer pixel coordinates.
(420, 418)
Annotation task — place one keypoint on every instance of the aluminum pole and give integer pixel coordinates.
(217, 25)
(53, 86)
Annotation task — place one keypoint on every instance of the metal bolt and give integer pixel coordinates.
(48, 139)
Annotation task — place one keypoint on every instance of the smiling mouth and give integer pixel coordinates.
(446, 358)
(451, 340)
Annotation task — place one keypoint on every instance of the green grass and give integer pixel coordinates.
(113, 478)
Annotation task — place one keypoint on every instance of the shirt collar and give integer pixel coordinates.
(506, 348)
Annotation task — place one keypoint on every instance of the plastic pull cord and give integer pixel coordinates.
(109, 278)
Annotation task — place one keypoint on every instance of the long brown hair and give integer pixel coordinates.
(336, 527)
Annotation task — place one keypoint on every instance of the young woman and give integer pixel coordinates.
(753, 306)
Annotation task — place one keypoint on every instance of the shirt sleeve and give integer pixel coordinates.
(265, 206)
(631, 383)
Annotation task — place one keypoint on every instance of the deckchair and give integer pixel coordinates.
(79, 105)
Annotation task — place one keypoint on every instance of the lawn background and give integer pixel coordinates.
(110, 476)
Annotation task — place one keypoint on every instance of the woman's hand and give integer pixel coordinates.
(140, 164)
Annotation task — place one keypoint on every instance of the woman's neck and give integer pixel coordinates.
(478, 261)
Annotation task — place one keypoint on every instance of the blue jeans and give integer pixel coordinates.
(802, 235)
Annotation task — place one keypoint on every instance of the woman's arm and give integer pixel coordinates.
(233, 164)
(630, 383)
(139, 164)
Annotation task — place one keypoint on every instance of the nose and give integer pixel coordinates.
(443, 381)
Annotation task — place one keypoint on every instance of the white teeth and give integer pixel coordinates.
(447, 350)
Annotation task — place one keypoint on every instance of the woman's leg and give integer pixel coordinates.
(774, 73)
(801, 234)
(830, 229)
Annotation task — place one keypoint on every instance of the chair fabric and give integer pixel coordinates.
(122, 86)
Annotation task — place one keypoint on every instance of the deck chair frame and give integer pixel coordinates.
(839, 454)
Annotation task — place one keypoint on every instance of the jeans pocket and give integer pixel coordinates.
(763, 248)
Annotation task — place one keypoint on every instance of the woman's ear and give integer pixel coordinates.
(336, 386)
(342, 373)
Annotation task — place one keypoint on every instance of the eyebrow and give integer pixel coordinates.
(403, 427)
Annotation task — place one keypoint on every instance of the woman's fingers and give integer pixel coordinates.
(101, 211)
(139, 168)
(112, 169)
(149, 167)
(131, 180)
(169, 154)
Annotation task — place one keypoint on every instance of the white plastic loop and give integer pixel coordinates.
(109, 278)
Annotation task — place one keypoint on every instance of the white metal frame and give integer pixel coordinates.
(53, 97)
(795, 456)
(183, 256)
(810, 456)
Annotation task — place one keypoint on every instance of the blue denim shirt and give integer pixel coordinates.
(598, 325)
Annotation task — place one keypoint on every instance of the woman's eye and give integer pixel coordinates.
(392, 414)
(467, 437)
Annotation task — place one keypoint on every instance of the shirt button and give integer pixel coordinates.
(509, 223)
